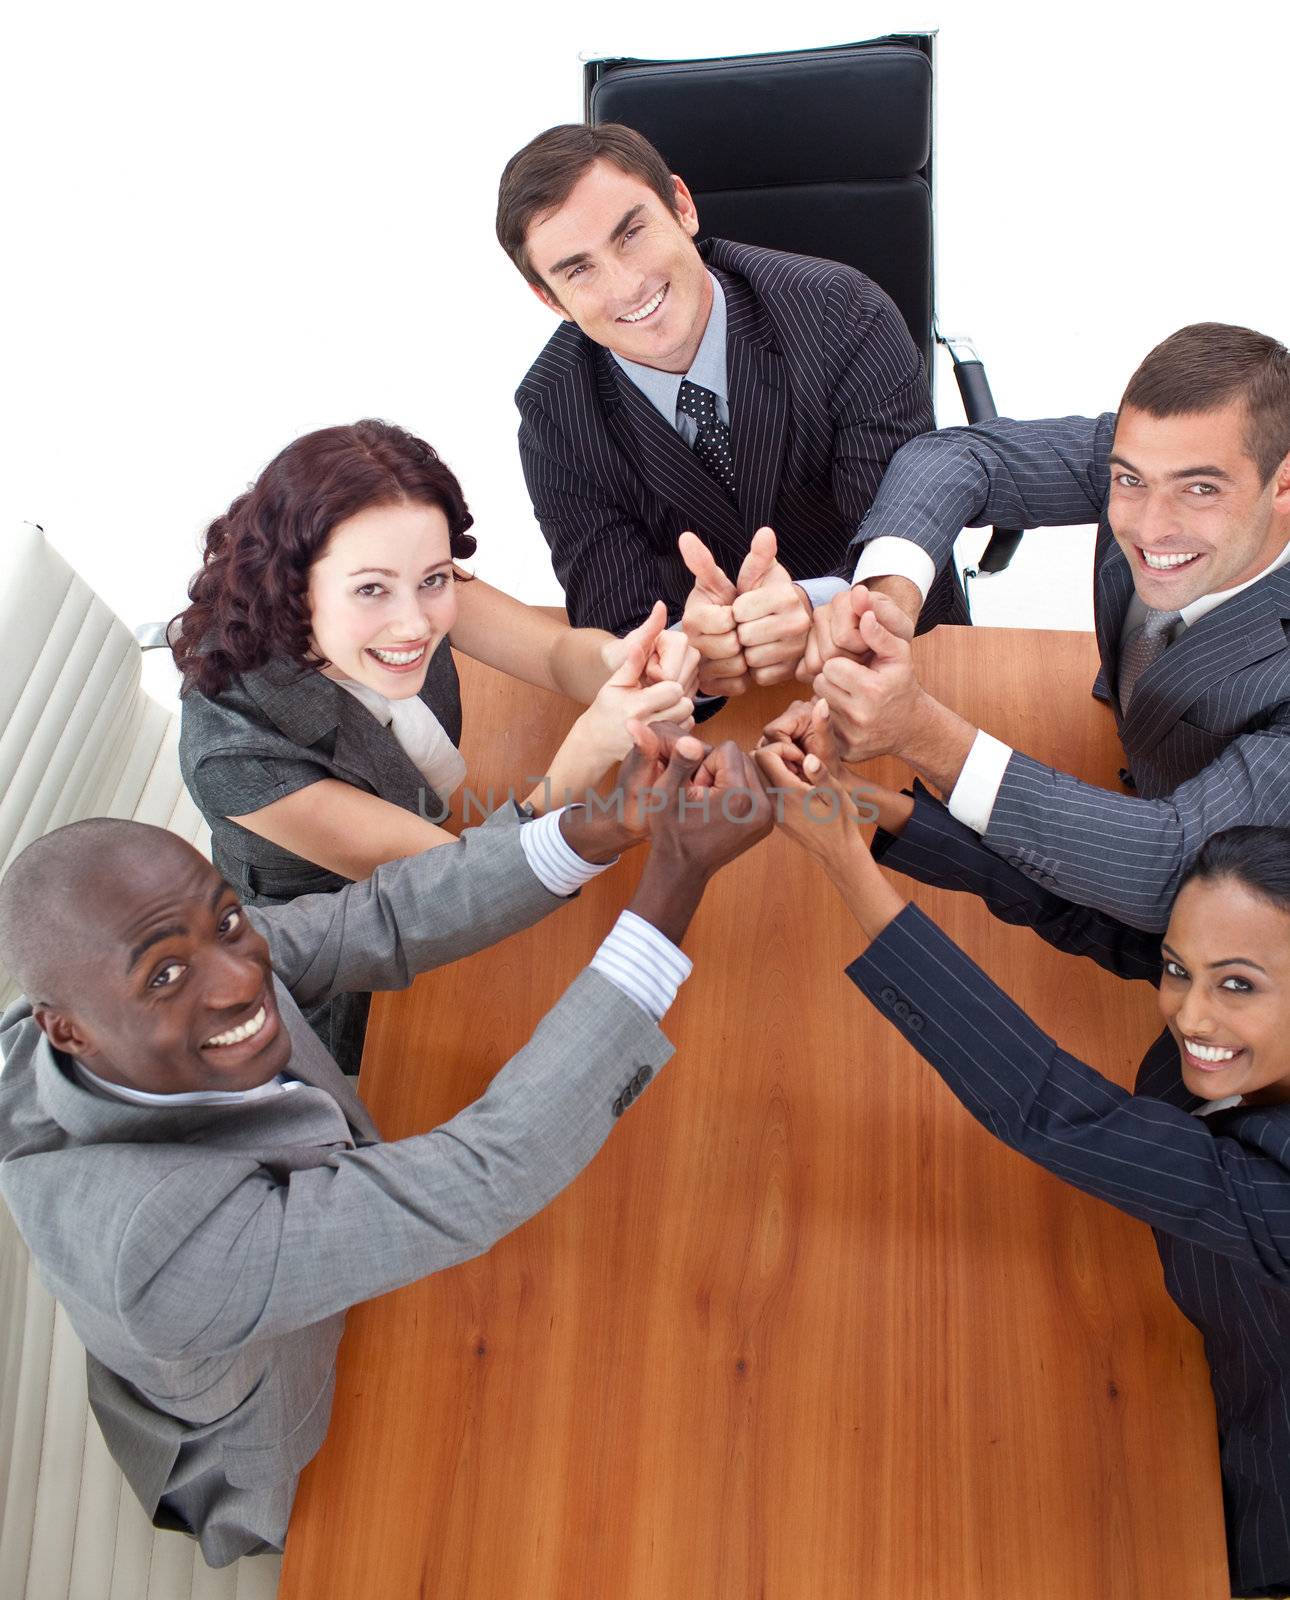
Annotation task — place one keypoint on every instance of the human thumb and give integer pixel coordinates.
(707, 574)
(639, 642)
(761, 557)
(886, 646)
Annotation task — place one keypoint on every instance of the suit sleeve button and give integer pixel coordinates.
(617, 1106)
(915, 1022)
(901, 1008)
(887, 995)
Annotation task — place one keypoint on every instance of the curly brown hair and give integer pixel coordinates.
(250, 600)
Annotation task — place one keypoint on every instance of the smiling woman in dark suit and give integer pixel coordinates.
(1200, 1150)
(320, 710)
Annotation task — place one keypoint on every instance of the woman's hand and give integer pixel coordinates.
(801, 730)
(599, 738)
(672, 660)
(813, 806)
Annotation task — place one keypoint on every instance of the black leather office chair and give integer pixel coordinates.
(823, 152)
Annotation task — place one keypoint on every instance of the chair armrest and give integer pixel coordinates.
(152, 636)
(978, 406)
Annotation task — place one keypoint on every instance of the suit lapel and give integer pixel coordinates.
(308, 708)
(759, 403)
(1246, 629)
(1112, 593)
(663, 459)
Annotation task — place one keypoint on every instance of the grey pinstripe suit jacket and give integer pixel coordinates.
(825, 384)
(206, 1255)
(1206, 735)
(1216, 1191)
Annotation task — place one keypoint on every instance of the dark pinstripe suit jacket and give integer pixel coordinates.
(825, 385)
(1206, 737)
(1216, 1192)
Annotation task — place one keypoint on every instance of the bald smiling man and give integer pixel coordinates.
(199, 1184)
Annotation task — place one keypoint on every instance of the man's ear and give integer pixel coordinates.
(687, 213)
(1281, 488)
(64, 1032)
(549, 300)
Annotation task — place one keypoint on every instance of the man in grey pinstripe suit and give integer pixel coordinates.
(808, 374)
(1190, 486)
(200, 1185)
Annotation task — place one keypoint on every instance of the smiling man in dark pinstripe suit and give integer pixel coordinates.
(716, 389)
(1190, 485)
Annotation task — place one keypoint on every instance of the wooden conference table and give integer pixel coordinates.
(803, 1330)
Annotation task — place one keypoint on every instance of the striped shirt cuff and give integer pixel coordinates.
(643, 963)
(556, 865)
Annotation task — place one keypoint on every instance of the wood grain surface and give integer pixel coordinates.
(803, 1330)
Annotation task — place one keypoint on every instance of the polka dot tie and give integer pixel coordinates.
(1143, 648)
(712, 441)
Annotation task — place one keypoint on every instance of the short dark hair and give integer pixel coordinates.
(250, 600)
(1210, 364)
(1258, 858)
(48, 894)
(541, 177)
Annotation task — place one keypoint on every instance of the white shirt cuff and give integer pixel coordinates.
(643, 963)
(973, 796)
(819, 591)
(890, 557)
(556, 865)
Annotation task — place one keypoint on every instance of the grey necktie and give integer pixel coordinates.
(712, 439)
(1144, 646)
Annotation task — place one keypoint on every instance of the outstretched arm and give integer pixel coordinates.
(1126, 856)
(934, 848)
(277, 1254)
(1152, 1160)
(1011, 474)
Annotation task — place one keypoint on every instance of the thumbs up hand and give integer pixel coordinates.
(754, 628)
(708, 621)
(772, 615)
(872, 705)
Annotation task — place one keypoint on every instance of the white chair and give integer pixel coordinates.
(79, 737)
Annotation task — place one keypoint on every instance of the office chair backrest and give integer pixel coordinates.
(79, 737)
(822, 152)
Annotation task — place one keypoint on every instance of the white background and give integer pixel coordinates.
(231, 224)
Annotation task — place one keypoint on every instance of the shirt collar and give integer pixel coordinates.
(1192, 613)
(190, 1097)
(708, 369)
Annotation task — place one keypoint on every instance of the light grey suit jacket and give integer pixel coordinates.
(1206, 734)
(206, 1255)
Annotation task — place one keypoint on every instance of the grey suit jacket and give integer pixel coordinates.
(206, 1255)
(1206, 735)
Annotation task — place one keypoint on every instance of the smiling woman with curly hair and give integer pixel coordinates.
(320, 706)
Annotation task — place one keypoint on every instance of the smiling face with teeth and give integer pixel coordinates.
(616, 261)
(174, 991)
(1187, 506)
(381, 597)
(1225, 990)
